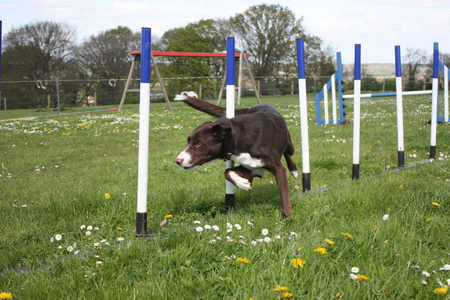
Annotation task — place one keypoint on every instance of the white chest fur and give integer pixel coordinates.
(249, 162)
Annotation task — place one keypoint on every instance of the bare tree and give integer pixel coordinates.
(412, 60)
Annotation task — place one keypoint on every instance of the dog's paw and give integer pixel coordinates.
(294, 174)
(180, 97)
(240, 182)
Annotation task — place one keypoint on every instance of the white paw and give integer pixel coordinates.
(294, 174)
(240, 182)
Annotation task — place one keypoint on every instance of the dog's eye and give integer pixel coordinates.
(197, 144)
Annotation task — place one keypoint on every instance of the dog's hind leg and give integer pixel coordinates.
(240, 177)
(285, 199)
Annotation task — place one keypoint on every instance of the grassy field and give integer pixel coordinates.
(68, 201)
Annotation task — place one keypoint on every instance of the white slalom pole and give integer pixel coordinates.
(306, 177)
(356, 112)
(325, 104)
(399, 96)
(229, 187)
(333, 98)
(445, 94)
(434, 101)
(144, 124)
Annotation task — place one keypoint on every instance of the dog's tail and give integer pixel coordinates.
(201, 105)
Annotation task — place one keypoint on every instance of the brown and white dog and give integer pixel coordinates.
(256, 138)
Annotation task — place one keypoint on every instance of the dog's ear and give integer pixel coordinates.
(221, 131)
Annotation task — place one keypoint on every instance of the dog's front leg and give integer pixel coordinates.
(285, 200)
(240, 177)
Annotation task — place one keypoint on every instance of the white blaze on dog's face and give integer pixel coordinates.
(204, 145)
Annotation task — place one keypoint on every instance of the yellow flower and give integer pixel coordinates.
(298, 262)
(168, 217)
(329, 242)
(242, 260)
(281, 289)
(401, 187)
(321, 250)
(362, 277)
(5, 296)
(436, 204)
(348, 235)
(442, 291)
(286, 295)
(119, 228)
(107, 196)
(430, 219)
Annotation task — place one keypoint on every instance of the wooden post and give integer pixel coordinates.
(161, 82)
(200, 91)
(4, 103)
(247, 64)
(240, 78)
(127, 84)
(222, 87)
(48, 101)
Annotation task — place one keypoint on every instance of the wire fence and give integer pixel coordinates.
(65, 93)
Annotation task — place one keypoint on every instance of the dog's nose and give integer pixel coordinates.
(179, 161)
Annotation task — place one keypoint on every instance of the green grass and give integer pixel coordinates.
(56, 172)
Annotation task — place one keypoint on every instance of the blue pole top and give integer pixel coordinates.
(301, 59)
(230, 60)
(436, 60)
(398, 62)
(146, 50)
(357, 61)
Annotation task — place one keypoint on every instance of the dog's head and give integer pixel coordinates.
(205, 144)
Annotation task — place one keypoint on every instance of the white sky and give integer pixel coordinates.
(378, 25)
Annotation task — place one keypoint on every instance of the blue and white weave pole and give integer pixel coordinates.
(356, 112)
(306, 175)
(399, 98)
(229, 187)
(434, 100)
(144, 121)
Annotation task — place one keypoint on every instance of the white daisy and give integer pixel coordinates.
(267, 239)
(353, 276)
(120, 239)
(355, 270)
(212, 242)
(208, 227)
(254, 243)
(197, 222)
(265, 231)
(58, 237)
(385, 217)
(426, 274)
(445, 268)
(82, 227)
(237, 226)
(215, 228)
(199, 229)
(88, 233)
(90, 227)
(70, 248)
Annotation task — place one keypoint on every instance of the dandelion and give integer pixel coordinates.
(298, 262)
(430, 219)
(6, 296)
(320, 250)
(347, 235)
(436, 204)
(242, 260)
(401, 187)
(265, 232)
(107, 196)
(168, 217)
(286, 295)
(330, 242)
(362, 277)
(385, 217)
(442, 291)
(424, 282)
(199, 229)
(355, 270)
(119, 228)
(281, 289)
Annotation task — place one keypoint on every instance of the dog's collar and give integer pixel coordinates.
(227, 156)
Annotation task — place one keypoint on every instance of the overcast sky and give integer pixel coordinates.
(378, 25)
